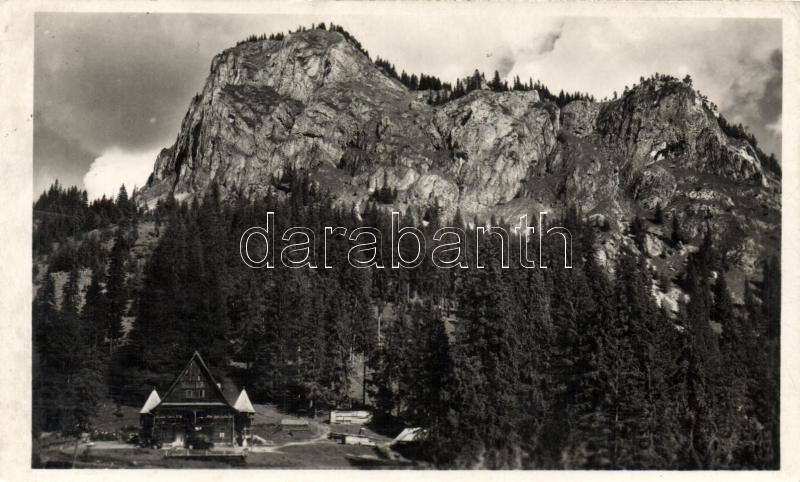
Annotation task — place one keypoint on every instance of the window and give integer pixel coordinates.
(190, 393)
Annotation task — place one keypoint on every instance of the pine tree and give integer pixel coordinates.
(123, 203)
(475, 81)
(215, 280)
(115, 288)
(639, 232)
(722, 310)
(658, 217)
(702, 363)
(45, 319)
(496, 84)
(336, 350)
(95, 313)
(768, 322)
(677, 233)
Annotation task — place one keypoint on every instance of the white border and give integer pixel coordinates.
(16, 109)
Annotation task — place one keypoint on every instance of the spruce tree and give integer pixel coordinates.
(45, 319)
(677, 234)
(702, 360)
(115, 287)
(496, 83)
(658, 217)
(95, 315)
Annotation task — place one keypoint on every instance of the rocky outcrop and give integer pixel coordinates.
(314, 101)
(493, 140)
(579, 117)
(664, 119)
(268, 105)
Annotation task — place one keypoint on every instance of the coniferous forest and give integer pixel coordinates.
(503, 368)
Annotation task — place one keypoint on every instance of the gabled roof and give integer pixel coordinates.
(243, 403)
(196, 376)
(409, 435)
(152, 401)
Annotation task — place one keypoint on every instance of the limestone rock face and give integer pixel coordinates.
(664, 118)
(268, 105)
(579, 117)
(315, 102)
(493, 140)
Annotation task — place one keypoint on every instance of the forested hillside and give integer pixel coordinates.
(545, 368)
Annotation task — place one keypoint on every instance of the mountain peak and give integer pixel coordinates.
(665, 118)
(297, 65)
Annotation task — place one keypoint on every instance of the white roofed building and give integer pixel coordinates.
(243, 404)
(152, 401)
(194, 411)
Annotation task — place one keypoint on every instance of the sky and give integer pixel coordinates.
(110, 90)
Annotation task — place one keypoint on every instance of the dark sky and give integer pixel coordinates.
(110, 90)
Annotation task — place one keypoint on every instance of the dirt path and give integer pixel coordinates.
(321, 437)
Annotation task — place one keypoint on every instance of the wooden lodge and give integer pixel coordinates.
(194, 413)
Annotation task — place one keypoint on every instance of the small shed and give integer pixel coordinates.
(356, 417)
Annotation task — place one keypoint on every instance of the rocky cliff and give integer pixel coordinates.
(314, 101)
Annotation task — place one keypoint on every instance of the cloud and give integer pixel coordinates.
(772, 98)
(549, 41)
(776, 127)
(530, 45)
(755, 96)
(123, 79)
(116, 167)
(541, 44)
(56, 156)
(504, 65)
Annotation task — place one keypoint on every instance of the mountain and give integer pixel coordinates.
(314, 101)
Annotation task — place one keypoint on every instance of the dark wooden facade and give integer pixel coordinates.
(194, 409)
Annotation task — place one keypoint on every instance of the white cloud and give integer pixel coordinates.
(116, 167)
(776, 127)
(603, 55)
